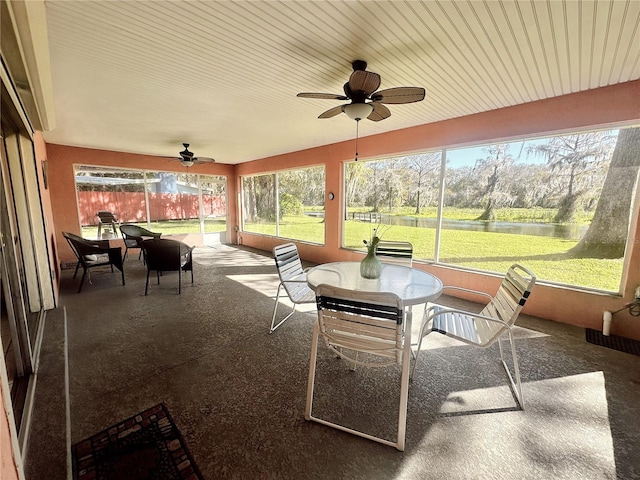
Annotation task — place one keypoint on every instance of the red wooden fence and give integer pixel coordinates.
(130, 206)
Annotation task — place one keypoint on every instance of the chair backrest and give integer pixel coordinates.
(507, 302)
(167, 255)
(397, 253)
(133, 234)
(370, 322)
(73, 241)
(287, 261)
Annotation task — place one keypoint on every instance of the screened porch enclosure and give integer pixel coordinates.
(168, 202)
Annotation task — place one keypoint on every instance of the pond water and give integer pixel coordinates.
(567, 232)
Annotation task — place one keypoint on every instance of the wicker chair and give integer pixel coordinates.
(164, 255)
(92, 254)
(133, 236)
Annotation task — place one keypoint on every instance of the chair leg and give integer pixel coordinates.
(76, 271)
(404, 389)
(126, 250)
(179, 281)
(146, 287)
(275, 310)
(516, 384)
(415, 360)
(312, 372)
(84, 274)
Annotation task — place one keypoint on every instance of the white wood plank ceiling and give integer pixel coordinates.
(145, 76)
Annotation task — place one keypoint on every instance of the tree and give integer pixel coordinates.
(424, 167)
(607, 234)
(355, 177)
(377, 183)
(577, 159)
(493, 165)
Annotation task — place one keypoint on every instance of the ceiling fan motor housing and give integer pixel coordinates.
(186, 154)
(359, 65)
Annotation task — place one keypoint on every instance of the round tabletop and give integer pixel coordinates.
(413, 286)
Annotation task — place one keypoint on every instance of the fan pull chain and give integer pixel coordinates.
(357, 125)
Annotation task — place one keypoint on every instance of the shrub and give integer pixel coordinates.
(290, 205)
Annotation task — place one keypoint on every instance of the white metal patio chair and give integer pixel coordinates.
(293, 278)
(483, 329)
(366, 323)
(397, 253)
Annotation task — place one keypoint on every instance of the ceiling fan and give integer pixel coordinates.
(188, 159)
(365, 101)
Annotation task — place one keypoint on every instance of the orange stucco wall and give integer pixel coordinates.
(608, 106)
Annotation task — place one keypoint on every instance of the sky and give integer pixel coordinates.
(460, 157)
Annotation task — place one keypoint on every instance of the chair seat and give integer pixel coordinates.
(465, 327)
(94, 260)
(299, 292)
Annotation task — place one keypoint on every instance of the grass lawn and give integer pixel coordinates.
(170, 227)
(547, 257)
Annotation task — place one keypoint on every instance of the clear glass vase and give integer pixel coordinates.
(370, 266)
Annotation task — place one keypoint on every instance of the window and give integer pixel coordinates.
(168, 202)
(288, 204)
(400, 194)
(560, 205)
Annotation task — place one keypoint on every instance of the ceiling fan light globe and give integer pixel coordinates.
(187, 163)
(358, 111)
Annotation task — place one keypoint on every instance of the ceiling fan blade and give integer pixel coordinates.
(367, 82)
(323, 96)
(332, 112)
(203, 160)
(399, 95)
(380, 112)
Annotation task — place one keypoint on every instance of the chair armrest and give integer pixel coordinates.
(302, 278)
(98, 243)
(93, 247)
(186, 249)
(467, 290)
